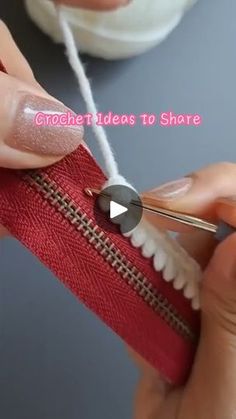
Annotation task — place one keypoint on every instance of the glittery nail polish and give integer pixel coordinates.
(51, 140)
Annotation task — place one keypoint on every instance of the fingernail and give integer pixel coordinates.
(23, 134)
(172, 190)
(123, 3)
(230, 199)
(2, 67)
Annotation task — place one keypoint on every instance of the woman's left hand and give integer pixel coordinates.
(24, 145)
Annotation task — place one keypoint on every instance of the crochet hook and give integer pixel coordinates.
(221, 230)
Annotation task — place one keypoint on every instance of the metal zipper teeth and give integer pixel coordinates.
(108, 250)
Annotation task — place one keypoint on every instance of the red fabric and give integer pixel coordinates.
(78, 265)
(48, 235)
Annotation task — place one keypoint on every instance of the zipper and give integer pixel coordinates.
(167, 343)
(105, 247)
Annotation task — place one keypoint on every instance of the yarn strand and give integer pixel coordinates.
(86, 91)
(177, 266)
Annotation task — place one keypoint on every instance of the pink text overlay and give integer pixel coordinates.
(164, 119)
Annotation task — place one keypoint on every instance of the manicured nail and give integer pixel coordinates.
(2, 67)
(230, 200)
(119, 4)
(22, 132)
(172, 190)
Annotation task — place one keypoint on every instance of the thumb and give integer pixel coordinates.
(212, 384)
(195, 194)
(23, 143)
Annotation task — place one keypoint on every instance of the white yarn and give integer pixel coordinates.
(177, 266)
(86, 91)
(168, 256)
(121, 33)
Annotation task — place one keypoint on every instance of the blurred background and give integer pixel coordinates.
(57, 360)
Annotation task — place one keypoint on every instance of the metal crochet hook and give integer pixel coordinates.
(221, 231)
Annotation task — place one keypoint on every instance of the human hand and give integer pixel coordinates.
(210, 390)
(95, 4)
(22, 144)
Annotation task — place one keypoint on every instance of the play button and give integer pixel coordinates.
(116, 209)
(121, 205)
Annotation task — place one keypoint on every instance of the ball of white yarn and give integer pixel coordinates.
(122, 33)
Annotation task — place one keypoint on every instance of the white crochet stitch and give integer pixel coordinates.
(122, 33)
(176, 265)
(170, 258)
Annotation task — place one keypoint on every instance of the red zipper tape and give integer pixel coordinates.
(33, 209)
(49, 213)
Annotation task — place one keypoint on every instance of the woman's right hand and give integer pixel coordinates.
(210, 391)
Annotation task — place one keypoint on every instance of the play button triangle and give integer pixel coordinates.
(116, 209)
